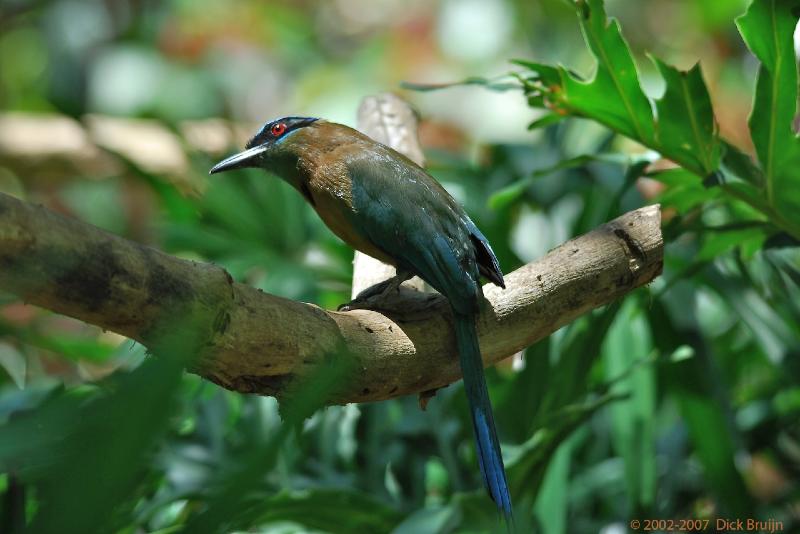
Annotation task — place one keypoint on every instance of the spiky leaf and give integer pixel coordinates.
(768, 27)
(686, 126)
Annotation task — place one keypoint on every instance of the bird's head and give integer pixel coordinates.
(265, 149)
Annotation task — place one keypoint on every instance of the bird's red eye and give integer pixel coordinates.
(277, 129)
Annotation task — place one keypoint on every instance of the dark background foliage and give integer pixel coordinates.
(681, 401)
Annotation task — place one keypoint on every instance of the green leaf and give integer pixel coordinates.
(563, 406)
(112, 431)
(428, 520)
(541, 82)
(749, 194)
(502, 83)
(713, 444)
(329, 510)
(74, 347)
(14, 363)
(787, 402)
(684, 352)
(686, 126)
(512, 192)
(685, 132)
(684, 190)
(626, 346)
(552, 502)
(676, 177)
(768, 28)
(546, 120)
(527, 463)
(694, 385)
(225, 509)
(614, 96)
(740, 165)
(718, 243)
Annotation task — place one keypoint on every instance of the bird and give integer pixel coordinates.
(380, 202)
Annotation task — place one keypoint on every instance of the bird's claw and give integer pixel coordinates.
(360, 303)
(347, 306)
(375, 297)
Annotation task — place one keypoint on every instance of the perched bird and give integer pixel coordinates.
(383, 204)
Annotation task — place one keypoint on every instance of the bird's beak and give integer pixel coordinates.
(239, 161)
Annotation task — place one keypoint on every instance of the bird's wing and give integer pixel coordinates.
(484, 255)
(408, 215)
(402, 208)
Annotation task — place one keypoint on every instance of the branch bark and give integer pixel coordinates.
(260, 343)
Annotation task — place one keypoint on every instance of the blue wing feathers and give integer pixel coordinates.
(393, 213)
(484, 255)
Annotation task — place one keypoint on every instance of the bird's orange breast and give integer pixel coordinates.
(331, 196)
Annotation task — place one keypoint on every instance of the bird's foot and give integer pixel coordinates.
(425, 397)
(359, 303)
(375, 296)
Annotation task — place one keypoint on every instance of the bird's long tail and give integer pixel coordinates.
(489, 457)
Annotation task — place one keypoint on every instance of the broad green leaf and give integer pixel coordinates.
(526, 388)
(740, 165)
(686, 127)
(552, 502)
(717, 243)
(684, 190)
(614, 96)
(768, 28)
(675, 177)
(711, 436)
(685, 199)
(632, 420)
(749, 194)
(686, 131)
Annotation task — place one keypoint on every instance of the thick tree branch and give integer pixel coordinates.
(261, 343)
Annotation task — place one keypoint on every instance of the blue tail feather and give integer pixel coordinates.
(490, 459)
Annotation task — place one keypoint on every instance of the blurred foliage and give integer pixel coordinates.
(682, 401)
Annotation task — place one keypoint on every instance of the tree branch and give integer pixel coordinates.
(260, 343)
